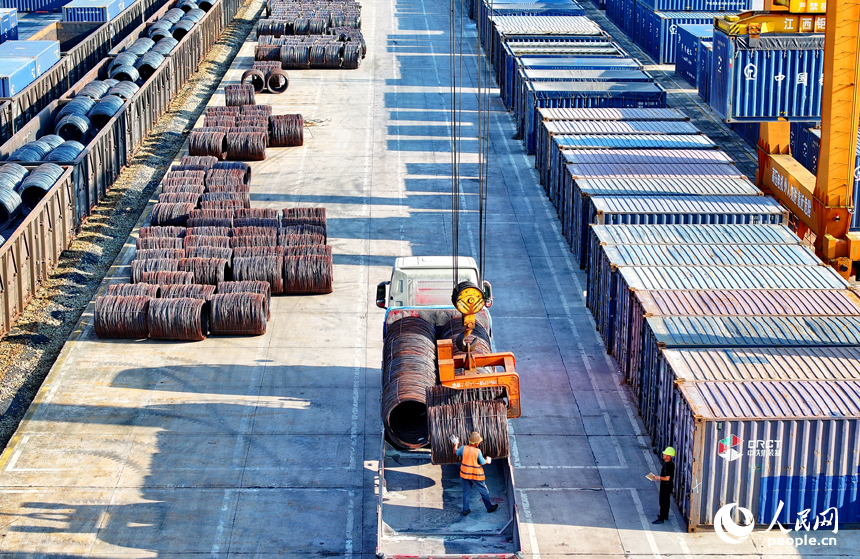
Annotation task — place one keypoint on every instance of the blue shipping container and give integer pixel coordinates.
(780, 77)
(698, 5)
(45, 53)
(93, 10)
(660, 32)
(706, 54)
(687, 55)
(15, 75)
(531, 75)
(8, 24)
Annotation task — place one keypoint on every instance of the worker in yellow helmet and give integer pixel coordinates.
(667, 480)
(471, 471)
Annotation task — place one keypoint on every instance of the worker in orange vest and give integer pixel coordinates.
(471, 471)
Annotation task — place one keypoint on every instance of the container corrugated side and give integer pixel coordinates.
(506, 27)
(759, 444)
(660, 32)
(526, 75)
(698, 5)
(706, 54)
(692, 234)
(687, 55)
(611, 114)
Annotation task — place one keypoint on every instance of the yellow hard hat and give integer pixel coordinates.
(475, 438)
(669, 451)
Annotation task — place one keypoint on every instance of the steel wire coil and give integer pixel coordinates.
(226, 177)
(241, 314)
(67, 151)
(317, 26)
(219, 121)
(122, 317)
(252, 109)
(46, 172)
(247, 252)
(179, 198)
(238, 95)
(182, 28)
(181, 188)
(295, 240)
(133, 290)
(165, 46)
(295, 57)
(52, 140)
(206, 5)
(301, 26)
(172, 16)
(408, 369)
(220, 110)
(247, 146)
(104, 110)
(36, 185)
(213, 214)
(315, 214)
(78, 106)
(228, 187)
(259, 287)
(209, 231)
(307, 250)
(308, 274)
(277, 81)
(188, 168)
(10, 206)
(192, 241)
(209, 222)
(212, 129)
(243, 197)
(255, 78)
(261, 213)
(248, 231)
(124, 90)
(12, 175)
(194, 177)
(182, 319)
(253, 241)
(231, 166)
(164, 232)
(187, 5)
(286, 130)
(208, 143)
(111, 82)
(444, 395)
(207, 271)
(317, 56)
(265, 65)
(122, 59)
(305, 220)
(221, 204)
(125, 73)
(195, 14)
(253, 119)
(167, 278)
(158, 34)
(351, 56)
(261, 268)
(271, 27)
(488, 417)
(73, 127)
(255, 129)
(27, 153)
(147, 243)
(211, 252)
(141, 46)
(303, 229)
(95, 90)
(139, 267)
(171, 214)
(206, 161)
(254, 222)
(190, 291)
(158, 253)
(479, 337)
(332, 56)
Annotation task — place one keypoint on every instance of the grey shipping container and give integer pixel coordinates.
(617, 317)
(659, 210)
(657, 376)
(552, 113)
(768, 445)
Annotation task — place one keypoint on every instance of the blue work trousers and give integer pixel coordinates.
(482, 490)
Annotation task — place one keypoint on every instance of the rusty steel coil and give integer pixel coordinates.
(247, 146)
(222, 204)
(238, 95)
(251, 108)
(145, 243)
(155, 253)
(308, 274)
(208, 271)
(122, 317)
(255, 222)
(262, 213)
(244, 197)
(179, 198)
(209, 231)
(170, 214)
(267, 52)
(261, 268)
(205, 161)
(228, 178)
(286, 130)
(133, 290)
(255, 78)
(187, 291)
(208, 143)
(213, 214)
(139, 267)
(209, 222)
(277, 80)
(408, 369)
(487, 417)
(182, 188)
(308, 225)
(193, 241)
(252, 119)
(246, 252)
(188, 167)
(253, 241)
(190, 177)
(166, 278)
(211, 252)
(303, 230)
(242, 314)
(219, 121)
(179, 183)
(307, 250)
(260, 287)
(232, 166)
(230, 188)
(219, 110)
(480, 338)
(444, 395)
(291, 240)
(317, 212)
(246, 231)
(265, 65)
(178, 319)
(175, 232)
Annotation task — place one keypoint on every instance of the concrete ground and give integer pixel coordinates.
(269, 445)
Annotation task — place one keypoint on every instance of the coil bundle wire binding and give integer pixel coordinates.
(208, 271)
(133, 290)
(194, 177)
(182, 28)
(259, 287)
(488, 417)
(67, 151)
(179, 198)
(12, 175)
(166, 278)
(165, 46)
(238, 95)
(241, 314)
(10, 207)
(73, 127)
(37, 184)
(122, 59)
(78, 106)
(286, 130)
(208, 143)
(253, 241)
(155, 231)
(261, 269)
(208, 231)
(141, 46)
(122, 317)
(308, 274)
(154, 253)
(211, 252)
(191, 291)
(125, 73)
(181, 188)
(95, 90)
(193, 241)
(182, 319)
(243, 197)
(140, 267)
(206, 161)
(246, 252)
(124, 90)
(147, 243)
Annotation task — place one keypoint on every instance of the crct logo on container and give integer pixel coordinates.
(729, 448)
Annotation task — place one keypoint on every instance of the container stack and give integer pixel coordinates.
(21, 62)
(8, 24)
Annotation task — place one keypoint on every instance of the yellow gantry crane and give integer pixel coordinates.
(823, 206)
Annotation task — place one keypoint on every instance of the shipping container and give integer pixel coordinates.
(778, 76)
(45, 53)
(93, 10)
(584, 95)
(617, 316)
(8, 24)
(776, 448)
(706, 53)
(486, 21)
(687, 55)
(526, 75)
(698, 5)
(33, 5)
(82, 44)
(749, 131)
(658, 33)
(15, 75)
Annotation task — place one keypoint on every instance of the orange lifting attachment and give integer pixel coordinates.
(468, 376)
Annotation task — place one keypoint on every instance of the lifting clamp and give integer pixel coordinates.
(507, 378)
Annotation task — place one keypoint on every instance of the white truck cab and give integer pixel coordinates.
(427, 281)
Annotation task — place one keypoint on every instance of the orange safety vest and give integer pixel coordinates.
(470, 469)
